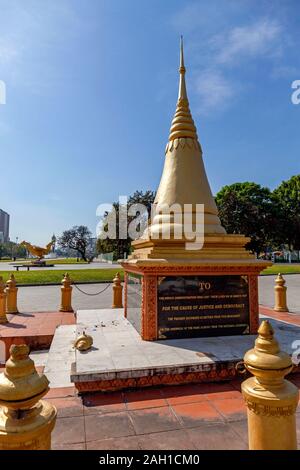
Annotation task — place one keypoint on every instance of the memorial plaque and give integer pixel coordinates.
(195, 306)
(134, 300)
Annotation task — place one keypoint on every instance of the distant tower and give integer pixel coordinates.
(4, 226)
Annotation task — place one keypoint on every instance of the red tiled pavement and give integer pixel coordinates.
(105, 403)
(35, 329)
(151, 420)
(62, 392)
(292, 318)
(232, 409)
(144, 399)
(203, 416)
(23, 324)
(67, 407)
(195, 414)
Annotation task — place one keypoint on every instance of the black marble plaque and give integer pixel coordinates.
(197, 306)
(134, 300)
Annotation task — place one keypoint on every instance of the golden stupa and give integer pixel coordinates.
(207, 250)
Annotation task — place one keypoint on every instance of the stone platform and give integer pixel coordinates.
(34, 329)
(120, 359)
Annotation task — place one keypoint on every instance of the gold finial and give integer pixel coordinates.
(280, 294)
(182, 124)
(181, 67)
(83, 342)
(266, 354)
(270, 399)
(117, 292)
(66, 294)
(26, 421)
(266, 330)
(21, 385)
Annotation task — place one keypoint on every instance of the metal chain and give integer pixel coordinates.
(87, 293)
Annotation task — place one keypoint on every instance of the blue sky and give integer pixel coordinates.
(91, 89)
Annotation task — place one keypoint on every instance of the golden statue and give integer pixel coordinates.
(37, 250)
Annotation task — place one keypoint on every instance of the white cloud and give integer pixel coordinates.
(284, 71)
(214, 91)
(225, 38)
(204, 16)
(251, 41)
(217, 84)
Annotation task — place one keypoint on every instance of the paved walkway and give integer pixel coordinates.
(47, 298)
(66, 267)
(204, 417)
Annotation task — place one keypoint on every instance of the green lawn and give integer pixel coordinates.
(283, 269)
(65, 261)
(41, 277)
(9, 260)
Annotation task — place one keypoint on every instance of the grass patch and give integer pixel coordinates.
(283, 269)
(65, 261)
(9, 260)
(44, 277)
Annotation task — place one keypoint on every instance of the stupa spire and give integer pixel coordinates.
(182, 94)
(182, 124)
(184, 179)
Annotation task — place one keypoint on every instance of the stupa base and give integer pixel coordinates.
(180, 298)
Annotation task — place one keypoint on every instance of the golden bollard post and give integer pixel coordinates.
(3, 317)
(11, 292)
(66, 294)
(270, 399)
(117, 292)
(26, 421)
(280, 294)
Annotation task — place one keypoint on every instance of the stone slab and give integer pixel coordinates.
(61, 356)
(120, 359)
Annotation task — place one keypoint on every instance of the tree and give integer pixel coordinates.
(287, 197)
(11, 250)
(120, 246)
(54, 240)
(2, 250)
(249, 209)
(76, 238)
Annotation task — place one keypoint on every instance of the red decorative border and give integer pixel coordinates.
(125, 293)
(216, 373)
(197, 269)
(253, 307)
(149, 308)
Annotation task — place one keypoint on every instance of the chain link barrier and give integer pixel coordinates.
(92, 294)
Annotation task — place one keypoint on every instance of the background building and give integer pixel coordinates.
(4, 226)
